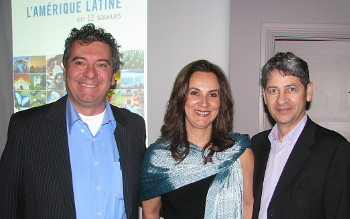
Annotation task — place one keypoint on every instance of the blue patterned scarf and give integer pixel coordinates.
(162, 174)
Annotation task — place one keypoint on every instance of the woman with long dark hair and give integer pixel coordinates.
(198, 168)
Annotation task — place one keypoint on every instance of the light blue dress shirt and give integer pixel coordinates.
(96, 171)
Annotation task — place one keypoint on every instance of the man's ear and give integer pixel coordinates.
(264, 96)
(113, 79)
(309, 91)
(64, 74)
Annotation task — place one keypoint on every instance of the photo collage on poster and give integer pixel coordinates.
(38, 80)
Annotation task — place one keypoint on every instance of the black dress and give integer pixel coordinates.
(187, 202)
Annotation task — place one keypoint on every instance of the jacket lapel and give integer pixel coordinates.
(57, 142)
(262, 151)
(298, 156)
(123, 138)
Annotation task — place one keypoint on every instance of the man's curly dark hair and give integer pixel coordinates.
(88, 34)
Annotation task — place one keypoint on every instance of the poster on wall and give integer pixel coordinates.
(40, 29)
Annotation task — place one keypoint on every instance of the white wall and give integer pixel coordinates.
(180, 32)
(6, 78)
(246, 19)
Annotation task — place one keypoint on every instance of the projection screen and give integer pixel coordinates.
(40, 29)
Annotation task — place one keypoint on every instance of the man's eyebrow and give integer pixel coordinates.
(290, 85)
(271, 86)
(99, 60)
(77, 57)
(104, 60)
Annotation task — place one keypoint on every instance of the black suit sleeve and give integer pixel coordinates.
(35, 173)
(337, 191)
(11, 183)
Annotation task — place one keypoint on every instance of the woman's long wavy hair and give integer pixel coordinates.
(174, 120)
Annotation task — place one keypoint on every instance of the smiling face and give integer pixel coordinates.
(203, 101)
(88, 76)
(286, 97)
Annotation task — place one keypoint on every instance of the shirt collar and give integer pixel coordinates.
(293, 135)
(73, 116)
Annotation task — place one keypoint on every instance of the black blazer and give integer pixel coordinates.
(315, 182)
(35, 171)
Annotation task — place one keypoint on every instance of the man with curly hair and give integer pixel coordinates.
(78, 157)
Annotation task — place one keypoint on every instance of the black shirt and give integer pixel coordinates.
(187, 202)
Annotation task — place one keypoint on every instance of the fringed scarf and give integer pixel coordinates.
(162, 174)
